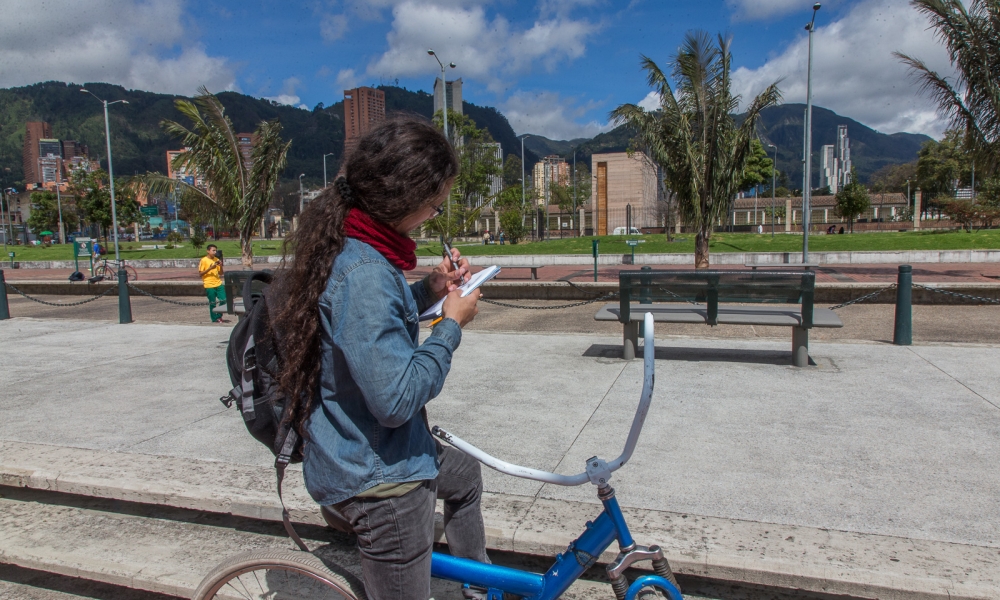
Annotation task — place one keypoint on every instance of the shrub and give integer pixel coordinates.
(198, 238)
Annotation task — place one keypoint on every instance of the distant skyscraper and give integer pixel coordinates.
(843, 156)
(34, 131)
(246, 142)
(828, 176)
(549, 170)
(454, 93)
(49, 161)
(364, 107)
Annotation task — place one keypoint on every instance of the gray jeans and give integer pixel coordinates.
(396, 535)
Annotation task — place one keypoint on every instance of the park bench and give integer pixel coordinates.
(234, 282)
(702, 291)
(534, 270)
(806, 266)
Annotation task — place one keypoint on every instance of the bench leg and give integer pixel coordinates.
(630, 339)
(800, 347)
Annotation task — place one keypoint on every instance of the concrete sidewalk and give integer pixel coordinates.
(883, 459)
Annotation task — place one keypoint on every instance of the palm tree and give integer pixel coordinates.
(972, 99)
(239, 194)
(694, 135)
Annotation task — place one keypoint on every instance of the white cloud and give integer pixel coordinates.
(650, 102)
(288, 95)
(854, 72)
(332, 27)
(548, 114)
(135, 43)
(763, 9)
(484, 49)
(347, 79)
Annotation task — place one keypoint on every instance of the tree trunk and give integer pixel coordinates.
(246, 247)
(701, 250)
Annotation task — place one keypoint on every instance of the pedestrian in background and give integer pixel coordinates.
(210, 271)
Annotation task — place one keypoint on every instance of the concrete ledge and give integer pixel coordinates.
(725, 550)
(826, 293)
(538, 260)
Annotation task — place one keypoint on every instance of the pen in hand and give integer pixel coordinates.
(446, 251)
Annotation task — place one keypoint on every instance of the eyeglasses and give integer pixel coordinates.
(438, 211)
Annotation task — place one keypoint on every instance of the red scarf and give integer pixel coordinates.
(397, 248)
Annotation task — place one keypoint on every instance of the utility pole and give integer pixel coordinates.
(807, 189)
(774, 179)
(111, 173)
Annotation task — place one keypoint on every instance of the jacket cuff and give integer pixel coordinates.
(449, 331)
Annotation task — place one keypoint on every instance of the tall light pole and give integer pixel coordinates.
(302, 202)
(324, 168)
(111, 173)
(62, 231)
(807, 188)
(444, 115)
(774, 178)
(4, 199)
(523, 137)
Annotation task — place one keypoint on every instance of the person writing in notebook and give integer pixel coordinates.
(354, 369)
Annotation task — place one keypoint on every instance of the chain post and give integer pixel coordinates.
(595, 250)
(902, 333)
(124, 301)
(4, 306)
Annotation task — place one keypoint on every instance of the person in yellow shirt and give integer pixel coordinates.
(210, 270)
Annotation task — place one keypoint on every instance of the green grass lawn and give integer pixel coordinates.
(654, 244)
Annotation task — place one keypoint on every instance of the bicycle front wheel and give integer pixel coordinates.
(271, 574)
(133, 275)
(105, 272)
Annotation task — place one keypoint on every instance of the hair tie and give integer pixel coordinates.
(344, 190)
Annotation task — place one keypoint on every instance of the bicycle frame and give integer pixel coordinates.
(585, 550)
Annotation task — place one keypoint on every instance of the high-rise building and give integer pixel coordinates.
(364, 107)
(549, 170)
(843, 157)
(34, 131)
(246, 142)
(828, 172)
(49, 161)
(452, 90)
(186, 174)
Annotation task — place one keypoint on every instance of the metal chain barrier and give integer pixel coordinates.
(101, 295)
(865, 297)
(958, 294)
(591, 301)
(154, 297)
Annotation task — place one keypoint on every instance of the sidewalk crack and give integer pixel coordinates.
(953, 378)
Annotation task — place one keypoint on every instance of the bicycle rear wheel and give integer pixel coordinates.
(273, 574)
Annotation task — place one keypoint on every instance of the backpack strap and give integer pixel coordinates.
(246, 383)
(285, 457)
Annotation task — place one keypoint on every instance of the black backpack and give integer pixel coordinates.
(254, 365)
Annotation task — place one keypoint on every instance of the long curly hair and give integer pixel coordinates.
(396, 169)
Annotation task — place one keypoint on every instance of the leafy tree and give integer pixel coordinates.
(508, 204)
(759, 167)
(942, 166)
(852, 200)
(562, 194)
(45, 212)
(512, 171)
(893, 178)
(478, 167)
(971, 99)
(242, 195)
(198, 238)
(989, 193)
(960, 211)
(93, 198)
(694, 136)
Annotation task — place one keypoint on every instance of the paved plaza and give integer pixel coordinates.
(877, 442)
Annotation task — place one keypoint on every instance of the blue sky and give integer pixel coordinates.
(555, 68)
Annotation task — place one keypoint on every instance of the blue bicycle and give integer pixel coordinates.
(270, 574)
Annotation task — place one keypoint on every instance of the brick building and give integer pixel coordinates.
(34, 132)
(620, 181)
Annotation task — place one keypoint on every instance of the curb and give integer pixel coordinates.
(785, 557)
(826, 293)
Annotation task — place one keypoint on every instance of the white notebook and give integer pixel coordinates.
(475, 281)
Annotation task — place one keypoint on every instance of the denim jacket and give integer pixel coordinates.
(366, 427)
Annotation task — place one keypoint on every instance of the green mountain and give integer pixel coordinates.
(139, 145)
(543, 146)
(782, 126)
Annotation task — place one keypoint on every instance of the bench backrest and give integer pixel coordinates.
(234, 282)
(713, 286)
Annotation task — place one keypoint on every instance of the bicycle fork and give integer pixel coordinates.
(630, 553)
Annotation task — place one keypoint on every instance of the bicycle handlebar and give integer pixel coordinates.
(649, 378)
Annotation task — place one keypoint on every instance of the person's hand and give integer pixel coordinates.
(462, 310)
(444, 278)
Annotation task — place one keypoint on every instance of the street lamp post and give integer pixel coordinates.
(62, 231)
(302, 203)
(774, 178)
(807, 188)
(444, 115)
(111, 174)
(4, 199)
(523, 137)
(324, 168)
